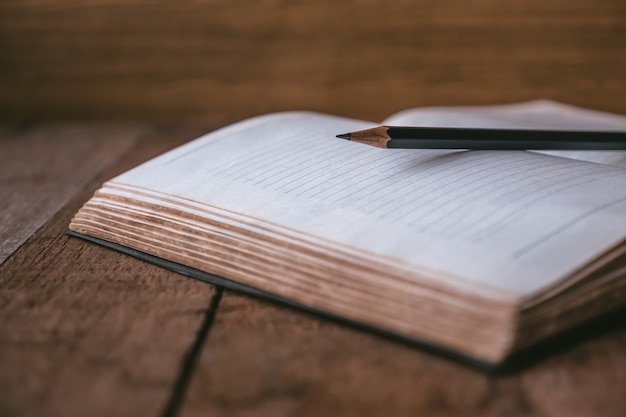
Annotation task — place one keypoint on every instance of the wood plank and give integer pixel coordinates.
(264, 359)
(221, 61)
(85, 330)
(41, 168)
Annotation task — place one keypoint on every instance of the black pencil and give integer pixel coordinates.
(483, 139)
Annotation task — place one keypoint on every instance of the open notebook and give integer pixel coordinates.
(481, 253)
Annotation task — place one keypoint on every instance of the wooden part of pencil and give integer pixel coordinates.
(375, 137)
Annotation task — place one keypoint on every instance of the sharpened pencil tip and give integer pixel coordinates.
(344, 136)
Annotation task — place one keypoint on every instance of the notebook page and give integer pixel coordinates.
(539, 114)
(516, 221)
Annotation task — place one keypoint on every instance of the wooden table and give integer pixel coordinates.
(87, 331)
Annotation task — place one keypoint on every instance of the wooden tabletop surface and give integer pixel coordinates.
(85, 331)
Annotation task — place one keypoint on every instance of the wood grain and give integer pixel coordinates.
(84, 330)
(43, 167)
(220, 61)
(267, 360)
(87, 331)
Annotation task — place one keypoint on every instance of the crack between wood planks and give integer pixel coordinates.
(177, 397)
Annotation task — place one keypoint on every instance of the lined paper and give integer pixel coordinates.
(512, 220)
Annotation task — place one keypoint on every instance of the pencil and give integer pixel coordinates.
(484, 139)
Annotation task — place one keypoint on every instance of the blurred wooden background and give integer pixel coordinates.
(217, 61)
